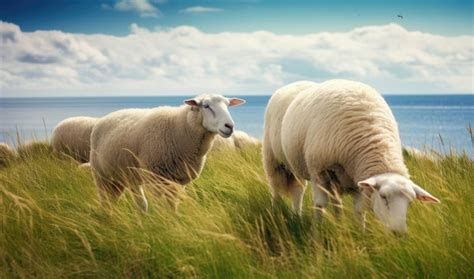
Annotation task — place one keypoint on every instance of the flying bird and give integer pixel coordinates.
(400, 16)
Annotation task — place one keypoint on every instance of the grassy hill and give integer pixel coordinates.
(52, 225)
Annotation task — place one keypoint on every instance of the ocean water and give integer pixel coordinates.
(436, 121)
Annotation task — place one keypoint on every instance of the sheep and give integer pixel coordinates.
(238, 140)
(7, 155)
(170, 143)
(72, 136)
(309, 128)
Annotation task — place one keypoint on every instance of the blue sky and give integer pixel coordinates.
(446, 17)
(165, 47)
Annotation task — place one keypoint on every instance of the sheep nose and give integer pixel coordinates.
(229, 126)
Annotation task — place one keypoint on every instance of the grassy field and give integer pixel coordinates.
(52, 225)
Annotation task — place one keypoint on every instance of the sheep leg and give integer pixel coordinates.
(335, 197)
(283, 181)
(320, 200)
(168, 190)
(296, 191)
(276, 198)
(139, 197)
(274, 173)
(173, 196)
(109, 192)
(337, 203)
(276, 178)
(332, 185)
(85, 166)
(360, 201)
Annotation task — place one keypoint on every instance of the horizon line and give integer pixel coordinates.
(187, 95)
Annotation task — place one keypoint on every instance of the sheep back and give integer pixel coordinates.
(341, 122)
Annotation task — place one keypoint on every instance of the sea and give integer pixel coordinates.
(438, 122)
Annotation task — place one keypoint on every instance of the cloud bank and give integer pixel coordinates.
(201, 9)
(184, 60)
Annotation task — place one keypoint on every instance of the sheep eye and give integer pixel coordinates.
(206, 106)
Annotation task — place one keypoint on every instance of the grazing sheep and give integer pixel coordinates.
(170, 143)
(238, 140)
(72, 136)
(7, 155)
(311, 128)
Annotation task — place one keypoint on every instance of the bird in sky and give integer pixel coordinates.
(400, 16)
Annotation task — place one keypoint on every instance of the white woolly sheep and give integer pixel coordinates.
(72, 136)
(169, 142)
(310, 128)
(7, 155)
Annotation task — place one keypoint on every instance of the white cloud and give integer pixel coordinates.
(184, 60)
(201, 9)
(142, 7)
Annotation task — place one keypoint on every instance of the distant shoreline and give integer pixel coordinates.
(422, 119)
(242, 95)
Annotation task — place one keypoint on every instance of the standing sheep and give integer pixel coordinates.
(171, 143)
(310, 128)
(72, 136)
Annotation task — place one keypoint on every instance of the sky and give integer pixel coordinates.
(159, 47)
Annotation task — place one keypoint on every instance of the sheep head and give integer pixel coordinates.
(216, 117)
(391, 196)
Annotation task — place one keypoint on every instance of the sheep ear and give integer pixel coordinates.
(236, 102)
(370, 182)
(192, 102)
(423, 195)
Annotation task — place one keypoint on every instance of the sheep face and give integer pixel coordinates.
(391, 197)
(215, 113)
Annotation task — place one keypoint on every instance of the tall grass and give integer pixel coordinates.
(52, 225)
